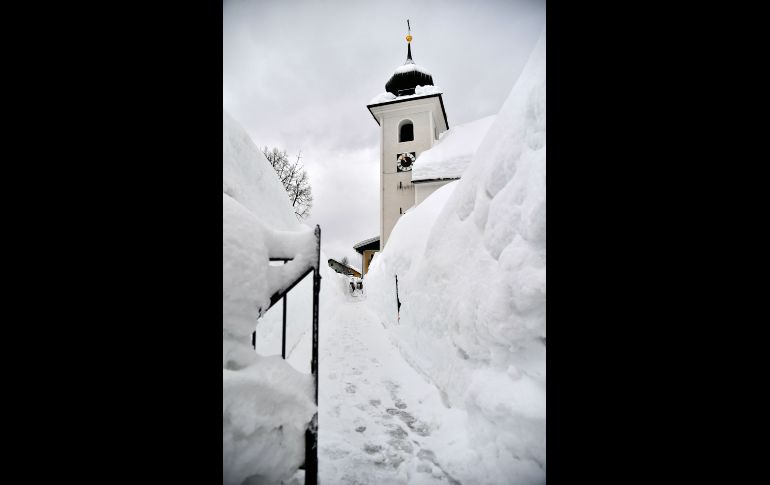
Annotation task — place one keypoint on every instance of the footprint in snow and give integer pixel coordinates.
(401, 445)
(372, 449)
(396, 431)
(429, 456)
(413, 423)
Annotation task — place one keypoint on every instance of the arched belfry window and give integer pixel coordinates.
(405, 131)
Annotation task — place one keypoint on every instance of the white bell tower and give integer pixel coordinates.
(410, 123)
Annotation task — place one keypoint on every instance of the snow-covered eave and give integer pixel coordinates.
(366, 242)
(422, 181)
(397, 100)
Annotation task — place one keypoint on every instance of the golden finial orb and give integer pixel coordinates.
(409, 38)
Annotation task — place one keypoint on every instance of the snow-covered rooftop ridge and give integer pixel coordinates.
(418, 91)
(452, 154)
(410, 66)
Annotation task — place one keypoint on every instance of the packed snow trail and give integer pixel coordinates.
(381, 422)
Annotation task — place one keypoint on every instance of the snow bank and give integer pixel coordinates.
(265, 410)
(418, 91)
(452, 154)
(266, 405)
(248, 178)
(472, 286)
(407, 247)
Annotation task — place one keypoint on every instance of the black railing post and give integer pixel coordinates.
(316, 294)
(283, 338)
(311, 436)
(311, 452)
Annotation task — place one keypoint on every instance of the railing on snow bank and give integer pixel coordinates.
(311, 435)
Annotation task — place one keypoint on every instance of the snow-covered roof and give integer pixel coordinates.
(366, 242)
(418, 91)
(410, 67)
(450, 156)
(348, 265)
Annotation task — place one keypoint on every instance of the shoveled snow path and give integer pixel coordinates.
(380, 421)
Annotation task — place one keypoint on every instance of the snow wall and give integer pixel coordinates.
(266, 404)
(470, 262)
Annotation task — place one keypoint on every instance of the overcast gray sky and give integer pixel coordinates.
(298, 75)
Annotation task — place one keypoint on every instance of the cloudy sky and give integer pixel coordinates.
(298, 75)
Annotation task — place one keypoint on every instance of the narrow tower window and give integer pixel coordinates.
(405, 131)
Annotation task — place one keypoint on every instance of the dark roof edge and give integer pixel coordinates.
(446, 120)
(440, 99)
(367, 242)
(422, 181)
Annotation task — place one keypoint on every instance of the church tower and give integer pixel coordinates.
(411, 118)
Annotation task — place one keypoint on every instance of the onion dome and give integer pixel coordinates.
(409, 76)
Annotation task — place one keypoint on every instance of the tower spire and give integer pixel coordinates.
(408, 43)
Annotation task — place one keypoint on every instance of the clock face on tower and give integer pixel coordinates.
(404, 161)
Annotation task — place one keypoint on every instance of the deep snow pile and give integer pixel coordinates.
(266, 404)
(248, 178)
(472, 286)
(452, 154)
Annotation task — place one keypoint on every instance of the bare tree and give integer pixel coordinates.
(344, 260)
(294, 179)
